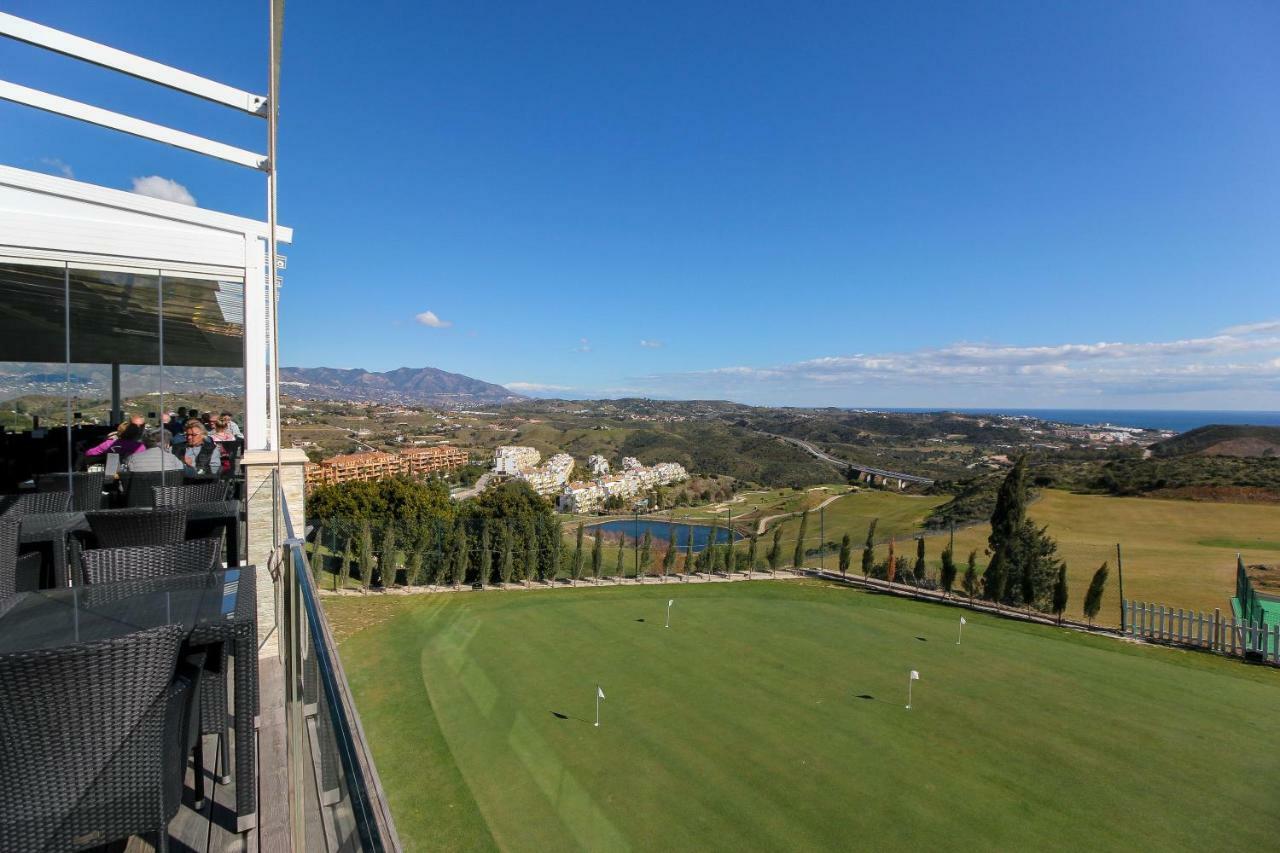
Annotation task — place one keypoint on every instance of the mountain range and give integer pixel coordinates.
(420, 385)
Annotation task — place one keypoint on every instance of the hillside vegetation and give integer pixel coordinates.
(1223, 440)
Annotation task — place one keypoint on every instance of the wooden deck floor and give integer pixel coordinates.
(212, 829)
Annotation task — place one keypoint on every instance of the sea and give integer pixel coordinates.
(1177, 420)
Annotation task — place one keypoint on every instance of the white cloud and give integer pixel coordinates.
(648, 344)
(584, 345)
(429, 318)
(166, 189)
(534, 387)
(1236, 360)
(57, 165)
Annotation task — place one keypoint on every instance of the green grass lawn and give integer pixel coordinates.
(770, 716)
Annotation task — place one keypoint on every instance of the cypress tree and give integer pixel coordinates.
(947, 575)
(552, 546)
(995, 577)
(1006, 526)
(1093, 597)
(530, 566)
(891, 567)
(752, 552)
(579, 558)
(846, 553)
(797, 558)
(1060, 593)
(366, 555)
(438, 555)
(317, 558)
(1011, 507)
(344, 568)
(413, 568)
(869, 549)
(508, 564)
(461, 555)
(688, 554)
(775, 551)
(597, 556)
(709, 552)
(970, 582)
(669, 558)
(485, 572)
(919, 569)
(646, 554)
(387, 558)
(619, 568)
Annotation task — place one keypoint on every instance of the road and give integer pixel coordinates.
(480, 484)
(844, 464)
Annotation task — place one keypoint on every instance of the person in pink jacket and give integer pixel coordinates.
(125, 442)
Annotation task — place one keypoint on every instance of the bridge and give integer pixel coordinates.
(865, 472)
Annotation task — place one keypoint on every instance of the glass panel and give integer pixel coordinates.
(115, 357)
(33, 371)
(203, 364)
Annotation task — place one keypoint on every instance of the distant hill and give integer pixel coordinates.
(420, 385)
(1223, 440)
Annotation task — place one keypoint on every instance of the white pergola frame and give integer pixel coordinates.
(42, 216)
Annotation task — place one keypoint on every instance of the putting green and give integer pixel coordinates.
(770, 716)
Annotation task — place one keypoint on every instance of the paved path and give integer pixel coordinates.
(764, 522)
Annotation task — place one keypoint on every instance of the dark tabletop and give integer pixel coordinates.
(58, 617)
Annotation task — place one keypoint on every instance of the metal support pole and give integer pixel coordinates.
(117, 405)
(1120, 573)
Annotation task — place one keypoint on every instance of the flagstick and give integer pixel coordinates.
(668, 625)
(597, 706)
(961, 634)
(909, 680)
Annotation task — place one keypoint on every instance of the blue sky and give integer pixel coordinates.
(1003, 204)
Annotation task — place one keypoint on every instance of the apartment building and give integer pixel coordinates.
(374, 464)
(580, 497)
(514, 460)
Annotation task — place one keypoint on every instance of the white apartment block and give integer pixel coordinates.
(514, 460)
(521, 463)
(580, 497)
(597, 465)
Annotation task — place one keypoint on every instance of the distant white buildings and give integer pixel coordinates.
(597, 465)
(521, 463)
(634, 478)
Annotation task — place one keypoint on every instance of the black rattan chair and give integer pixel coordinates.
(38, 503)
(85, 488)
(126, 528)
(138, 485)
(105, 565)
(93, 741)
(205, 491)
(11, 564)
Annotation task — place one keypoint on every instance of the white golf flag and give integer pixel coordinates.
(915, 676)
(962, 622)
(670, 601)
(600, 691)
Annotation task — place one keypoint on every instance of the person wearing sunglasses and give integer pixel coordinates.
(201, 456)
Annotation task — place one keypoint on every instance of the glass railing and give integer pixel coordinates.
(335, 799)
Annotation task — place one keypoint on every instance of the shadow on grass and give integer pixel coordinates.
(560, 716)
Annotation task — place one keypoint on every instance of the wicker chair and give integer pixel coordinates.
(85, 488)
(125, 528)
(113, 565)
(104, 565)
(93, 740)
(206, 491)
(11, 563)
(138, 485)
(38, 503)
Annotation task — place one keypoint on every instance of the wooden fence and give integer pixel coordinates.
(1160, 624)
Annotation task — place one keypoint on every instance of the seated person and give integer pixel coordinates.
(126, 441)
(176, 421)
(222, 429)
(200, 456)
(231, 425)
(157, 455)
